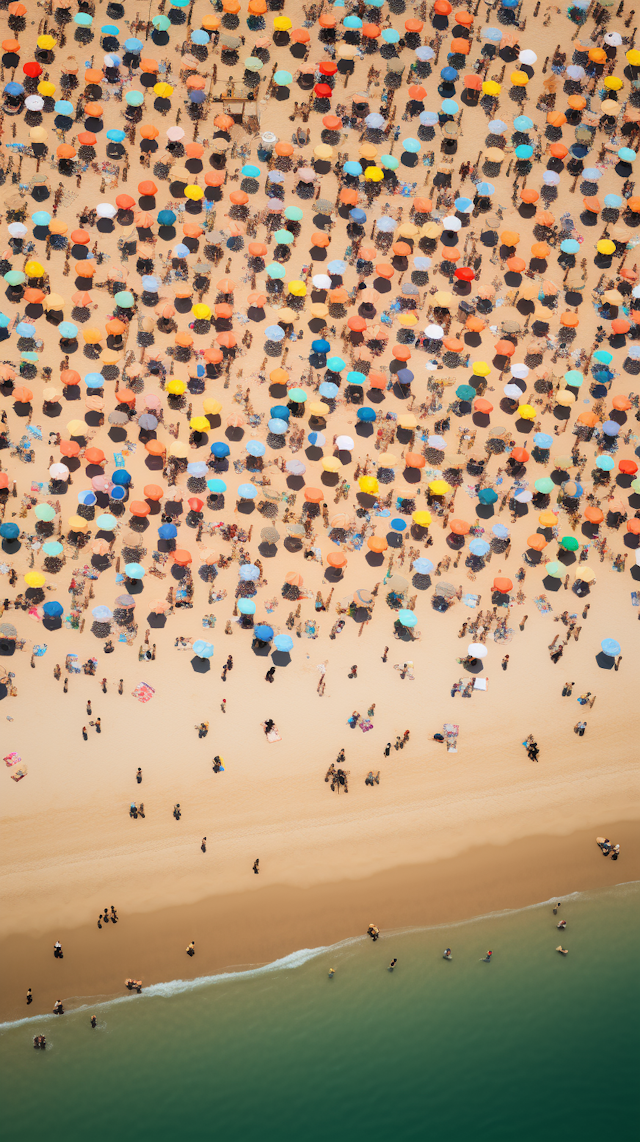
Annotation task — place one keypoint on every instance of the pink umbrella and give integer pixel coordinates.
(152, 401)
(100, 483)
(175, 134)
(305, 174)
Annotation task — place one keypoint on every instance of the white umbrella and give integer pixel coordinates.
(477, 650)
(344, 443)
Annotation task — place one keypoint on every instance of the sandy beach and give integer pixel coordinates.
(445, 835)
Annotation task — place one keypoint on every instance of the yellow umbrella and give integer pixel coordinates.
(176, 387)
(423, 519)
(407, 420)
(201, 311)
(199, 424)
(178, 449)
(606, 246)
(34, 270)
(211, 406)
(297, 288)
(439, 487)
(373, 174)
(76, 428)
(408, 319)
(527, 412)
(195, 193)
(318, 408)
(388, 460)
(35, 579)
(490, 87)
(164, 90)
(77, 523)
(47, 43)
(331, 464)
(480, 369)
(368, 484)
(565, 397)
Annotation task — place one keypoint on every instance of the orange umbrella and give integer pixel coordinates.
(414, 460)
(459, 526)
(69, 447)
(540, 250)
(139, 508)
(94, 455)
(313, 495)
(153, 492)
(155, 448)
(226, 285)
(593, 514)
(181, 557)
(503, 585)
(227, 340)
(520, 455)
(537, 542)
(485, 406)
(22, 394)
(336, 558)
(147, 188)
(293, 578)
(125, 202)
(377, 543)
(505, 348)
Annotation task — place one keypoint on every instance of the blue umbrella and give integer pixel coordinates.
(336, 364)
(283, 642)
(117, 493)
(570, 246)
(13, 89)
(356, 378)
(121, 477)
(113, 135)
(87, 498)
(389, 35)
(449, 74)
(216, 487)
(610, 647)
(53, 609)
(197, 96)
(9, 530)
(463, 205)
(613, 201)
(487, 496)
(610, 428)
(465, 392)
(357, 215)
(604, 463)
(366, 414)
(449, 107)
(133, 45)
(199, 36)
(263, 632)
(317, 439)
(485, 189)
(249, 572)
(412, 145)
(352, 168)
(219, 449)
(280, 412)
(352, 22)
(246, 606)
(94, 380)
(320, 345)
(523, 151)
(110, 30)
(278, 426)
(337, 267)
(407, 618)
(41, 218)
(399, 524)
(479, 547)
(405, 376)
(247, 491)
(25, 329)
(167, 531)
(603, 356)
(62, 106)
(500, 531)
(250, 171)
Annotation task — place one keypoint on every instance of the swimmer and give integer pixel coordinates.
(562, 924)
(487, 958)
(392, 964)
(563, 951)
(446, 955)
(94, 1022)
(332, 972)
(555, 911)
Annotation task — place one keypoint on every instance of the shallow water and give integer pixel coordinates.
(533, 1045)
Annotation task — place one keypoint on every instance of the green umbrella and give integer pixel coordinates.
(253, 64)
(283, 78)
(283, 237)
(44, 512)
(556, 570)
(15, 277)
(275, 270)
(544, 485)
(297, 395)
(294, 214)
(569, 542)
(124, 299)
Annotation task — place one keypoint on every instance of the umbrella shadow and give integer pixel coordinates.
(605, 662)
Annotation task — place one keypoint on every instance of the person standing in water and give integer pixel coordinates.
(392, 964)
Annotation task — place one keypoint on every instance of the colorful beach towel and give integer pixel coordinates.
(143, 692)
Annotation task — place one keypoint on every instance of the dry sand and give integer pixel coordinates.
(326, 859)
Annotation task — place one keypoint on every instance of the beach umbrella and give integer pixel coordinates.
(203, 649)
(610, 647)
(283, 643)
(407, 618)
(246, 606)
(263, 632)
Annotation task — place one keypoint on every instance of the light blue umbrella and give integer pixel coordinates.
(479, 547)
(626, 154)
(83, 19)
(610, 647)
(250, 171)
(523, 123)
(523, 152)
(198, 469)
(485, 189)
(422, 566)
(412, 145)
(449, 107)
(604, 463)
(199, 36)
(41, 218)
(283, 78)
(203, 649)
(134, 571)
(610, 428)
(107, 522)
(216, 487)
(491, 34)
(247, 491)
(570, 246)
(89, 499)
(542, 440)
(102, 614)
(133, 45)
(68, 330)
(94, 380)
(249, 572)
(407, 618)
(337, 267)
(591, 174)
(328, 390)
(500, 531)
(115, 136)
(613, 201)
(52, 549)
(277, 426)
(274, 333)
(63, 107)
(255, 448)
(283, 643)
(275, 270)
(246, 606)
(25, 329)
(336, 364)
(428, 118)
(352, 168)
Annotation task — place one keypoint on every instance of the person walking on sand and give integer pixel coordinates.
(191, 949)
(387, 749)
(29, 996)
(505, 662)
(89, 708)
(98, 725)
(203, 844)
(385, 654)
(255, 865)
(85, 734)
(373, 932)
(354, 672)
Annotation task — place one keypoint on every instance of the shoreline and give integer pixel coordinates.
(240, 932)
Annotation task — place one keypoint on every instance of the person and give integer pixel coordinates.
(114, 915)
(217, 764)
(354, 672)
(567, 689)
(387, 749)
(392, 964)
(487, 958)
(562, 924)
(385, 653)
(139, 776)
(57, 950)
(446, 955)
(191, 949)
(563, 951)
(555, 911)
(29, 996)
(505, 662)
(332, 972)
(94, 1022)
(58, 1009)
(229, 663)
(255, 865)
(405, 737)
(177, 811)
(615, 852)
(438, 738)
(85, 734)
(98, 726)
(89, 708)
(203, 844)
(270, 673)
(579, 728)
(373, 932)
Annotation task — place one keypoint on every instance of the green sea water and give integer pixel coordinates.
(533, 1046)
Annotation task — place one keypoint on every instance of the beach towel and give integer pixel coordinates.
(19, 774)
(366, 725)
(470, 600)
(480, 683)
(11, 759)
(143, 692)
(273, 736)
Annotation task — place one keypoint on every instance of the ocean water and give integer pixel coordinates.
(533, 1046)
